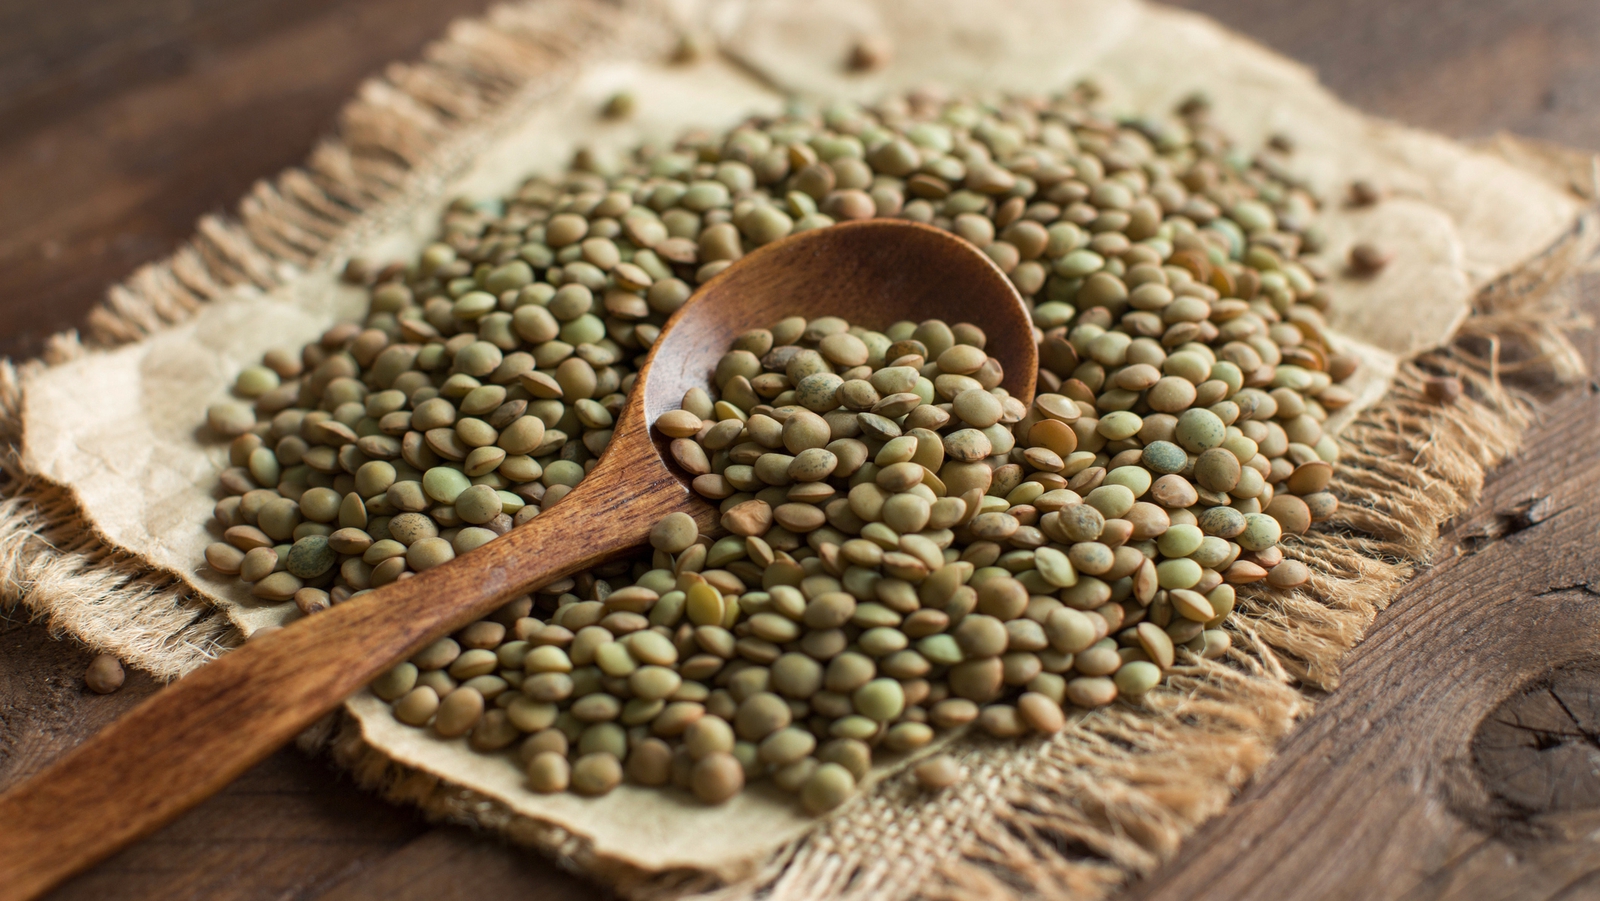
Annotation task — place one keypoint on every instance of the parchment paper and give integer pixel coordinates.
(120, 428)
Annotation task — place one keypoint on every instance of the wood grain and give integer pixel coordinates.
(197, 735)
(1467, 68)
(125, 120)
(122, 121)
(1411, 781)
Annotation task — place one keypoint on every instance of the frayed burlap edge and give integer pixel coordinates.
(1078, 814)
(54, 568)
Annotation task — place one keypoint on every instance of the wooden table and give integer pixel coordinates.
(123, 121)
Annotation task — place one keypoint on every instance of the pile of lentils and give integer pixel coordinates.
(909, 549)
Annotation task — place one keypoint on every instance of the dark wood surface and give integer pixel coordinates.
(1459, 758)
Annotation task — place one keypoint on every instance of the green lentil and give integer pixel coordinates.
(880, 699)
(549, 772)
(829, 786)
(1199, 430)
(496, 368)
(717, 777)
(596, 773)
(674, 533)
(478, 504)
(310, 557)
(1259, 533)
(1137, 677)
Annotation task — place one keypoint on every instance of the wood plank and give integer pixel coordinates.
(289, 824)
(1412, 781)
(1467, 68)
(460, 864)
(289, 828)
(44, 707)
(122, 122)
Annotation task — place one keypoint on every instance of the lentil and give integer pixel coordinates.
(911, 549)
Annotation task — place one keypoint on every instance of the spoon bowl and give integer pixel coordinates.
(196, 735)
(873, 273)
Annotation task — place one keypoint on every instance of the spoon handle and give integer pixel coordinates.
(199, 733)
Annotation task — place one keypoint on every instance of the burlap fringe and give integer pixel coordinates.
(54, 567)
(1076, 815)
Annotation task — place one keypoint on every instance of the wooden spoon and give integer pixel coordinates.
(197, 734)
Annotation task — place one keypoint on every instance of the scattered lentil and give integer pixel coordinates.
(1443, 390)
(104, 674)
(871, 53)
(1369, 259)
(1365, 193)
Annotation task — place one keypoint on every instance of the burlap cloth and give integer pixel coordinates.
(107, 485)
